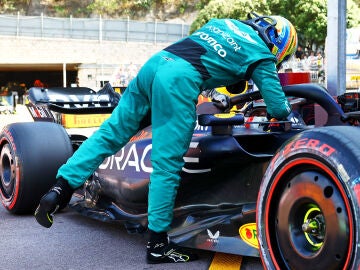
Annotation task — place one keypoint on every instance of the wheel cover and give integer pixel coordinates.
(8, 173)
(308, 220)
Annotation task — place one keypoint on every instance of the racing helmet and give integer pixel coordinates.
(277, 32)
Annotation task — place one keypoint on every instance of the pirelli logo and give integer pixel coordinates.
(83, 120)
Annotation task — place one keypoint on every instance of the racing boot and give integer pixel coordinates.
(159, 250)
(56, 198)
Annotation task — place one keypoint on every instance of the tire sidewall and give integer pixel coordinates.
(329, 146)
(37, 150)
(7, 139)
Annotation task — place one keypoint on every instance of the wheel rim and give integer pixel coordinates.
(311, 217)
(8, 173)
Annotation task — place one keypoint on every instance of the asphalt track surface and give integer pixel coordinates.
(75, 242)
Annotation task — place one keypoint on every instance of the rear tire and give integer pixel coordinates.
(30, 155)
(308, 204)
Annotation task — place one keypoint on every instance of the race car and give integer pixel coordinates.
(288, 195)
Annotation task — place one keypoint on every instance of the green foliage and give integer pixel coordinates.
(202, 3)
(357, 2)
(237, 9)
(61, 10)
(100, 7)
(308, 16)
(353, 13)
(12, 6)
(311, 21)
(146, 4)
(7, 5)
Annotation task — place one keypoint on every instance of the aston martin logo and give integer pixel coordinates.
(214, 238)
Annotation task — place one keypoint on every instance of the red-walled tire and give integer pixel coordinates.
(30, 154)
(308, 203)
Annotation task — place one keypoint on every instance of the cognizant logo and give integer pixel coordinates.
(212, 42)
(229, 39)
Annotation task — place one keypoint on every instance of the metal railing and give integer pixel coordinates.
(92, 29)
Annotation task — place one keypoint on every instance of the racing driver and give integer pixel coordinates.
(221, 53)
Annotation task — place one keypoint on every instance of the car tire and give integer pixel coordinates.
(30, 155)
(308, 202)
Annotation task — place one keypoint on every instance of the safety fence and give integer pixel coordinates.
(92, 28)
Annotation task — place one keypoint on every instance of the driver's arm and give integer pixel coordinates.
(266, 79)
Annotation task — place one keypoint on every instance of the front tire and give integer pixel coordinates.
(308, 207)
(30, 155)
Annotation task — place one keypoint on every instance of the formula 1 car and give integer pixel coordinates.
(290, 195)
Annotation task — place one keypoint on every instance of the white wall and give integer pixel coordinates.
(98, 59)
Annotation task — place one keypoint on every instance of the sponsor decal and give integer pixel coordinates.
(249, 235)
(356, 188)
(83, 120)
(141, 135)
(213, 238)
(355, 78)
(130, 157)
(238, 32)
(342, 173)
(304, 143)
(9, 137)
(138, 158)
(225, 115)
(314, 144)
(40, 113)
(167, 58)
(10, 202)
(193, 160)
(212, 42)
(254, 121)
(225, 36)
(54, 97)
(199, 127)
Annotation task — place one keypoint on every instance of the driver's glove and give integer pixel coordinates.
(56, 198)
(221, 101)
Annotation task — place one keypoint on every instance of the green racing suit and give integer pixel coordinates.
(220, 53)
